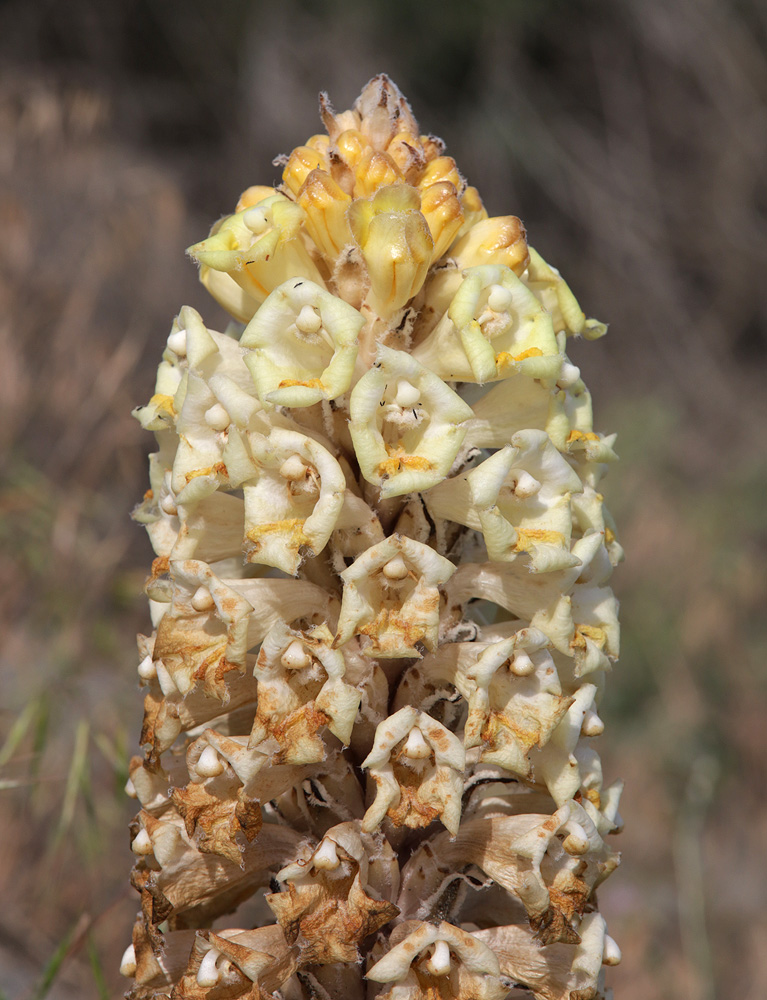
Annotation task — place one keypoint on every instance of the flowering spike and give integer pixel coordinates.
(381, 613)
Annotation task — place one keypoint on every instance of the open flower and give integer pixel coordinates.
(300, 691)
(302, 344)
(515, 700)
(405, 424)
(256, 249)
(417, 765)
(494, 327)
(391, 595)
(203, 634)
(331, 901)
(237, 964)
(293, 501)
(201, 404)
(519, 498)
(423, 957)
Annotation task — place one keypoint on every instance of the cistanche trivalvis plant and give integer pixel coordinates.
(381, 603)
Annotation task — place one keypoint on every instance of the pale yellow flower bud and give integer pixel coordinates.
(259, 248)
(300, 164)
(325, 205)
(396, 245)
(494, 241)
(441, 208)
(374, 170)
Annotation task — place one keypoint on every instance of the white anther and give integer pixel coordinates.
(295, 656)
(293, 468)
(416, 747)
(141, 843)
(217, 417)
(164, 676)
(202, 599)
(592, 725)
(611, 953)
(521, 664)
(177, 343)
(568, 375)
(576, 841)
(168, 505)
(526, 485)
(499, 298)
(208, 974)
(210, 764)
(256, 221)
(128, 962)
(407, 394)
(308, 320)
(130, 789)
(326, 856)
(395, 569)
(439, 961)
(146, 669)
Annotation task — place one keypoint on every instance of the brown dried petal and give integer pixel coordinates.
(391, 595)
(558, 971)
(438, 960)
(237, 964)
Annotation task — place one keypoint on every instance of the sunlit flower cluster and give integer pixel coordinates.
(381, 606)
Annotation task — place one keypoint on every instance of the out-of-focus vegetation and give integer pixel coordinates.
(631, 137)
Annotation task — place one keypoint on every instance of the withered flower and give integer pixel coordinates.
(391, 595)
(326, 905)
(301, 690)
(417, 766)
(381, 609)
(438, 960)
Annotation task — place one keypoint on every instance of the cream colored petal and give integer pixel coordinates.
(540, 598)
(391, 596)
(406, 424)
(517, 403)
(259, 248)
(302, 345)
(292, 502)
(558, 971)
(494, 328)
(396, 245)
(547, 284)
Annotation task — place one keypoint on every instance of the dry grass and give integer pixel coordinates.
(631, 136)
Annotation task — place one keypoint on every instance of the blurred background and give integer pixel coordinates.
(630, 135)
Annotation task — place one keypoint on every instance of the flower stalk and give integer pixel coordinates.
(381, 610)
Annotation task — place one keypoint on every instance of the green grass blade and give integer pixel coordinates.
(77, 779)
(97, 970)
(18, 730)
(51, 970)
